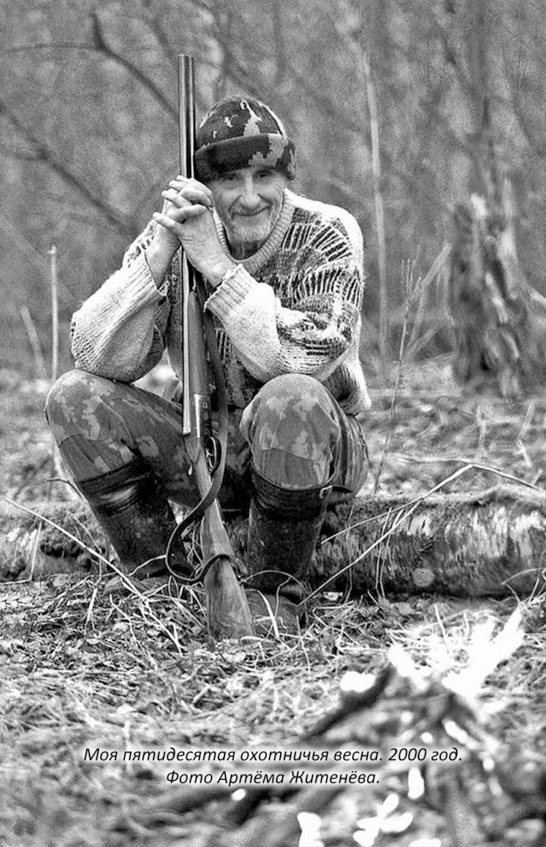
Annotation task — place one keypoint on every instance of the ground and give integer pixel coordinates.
(103, 696)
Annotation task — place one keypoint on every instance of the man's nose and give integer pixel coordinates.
(249, 193)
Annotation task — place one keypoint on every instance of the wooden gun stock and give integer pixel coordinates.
(228, 614)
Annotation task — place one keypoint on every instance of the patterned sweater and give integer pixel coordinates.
(292, 307)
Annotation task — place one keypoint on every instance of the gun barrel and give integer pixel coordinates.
(186, 147)
(227, 608)
(186, 114)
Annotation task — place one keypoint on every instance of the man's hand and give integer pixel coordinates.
(186, 219)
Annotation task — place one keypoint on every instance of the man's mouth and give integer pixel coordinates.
(254, 213)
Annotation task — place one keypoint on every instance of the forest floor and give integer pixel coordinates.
(121, 724)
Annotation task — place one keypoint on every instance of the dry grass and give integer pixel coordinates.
(83, 669)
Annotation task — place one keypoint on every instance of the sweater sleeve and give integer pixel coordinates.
(119, 332)
(307, 324)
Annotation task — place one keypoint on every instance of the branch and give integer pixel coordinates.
(11, 153)
(124, 223)
(99, 46)
(102, 47)
(160, 34)
(280, 51)
(223, 24)
(239, 74)
(326, 104)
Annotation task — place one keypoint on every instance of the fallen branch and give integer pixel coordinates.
(489, 543)
(421, 742)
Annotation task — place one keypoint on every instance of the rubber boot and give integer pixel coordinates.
(283, 530)
(135, 514)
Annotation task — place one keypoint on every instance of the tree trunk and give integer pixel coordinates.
(486, 544)
(499, 319)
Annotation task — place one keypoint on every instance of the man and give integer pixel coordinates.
(285, 281)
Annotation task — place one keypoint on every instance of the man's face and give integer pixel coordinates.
(248, 202)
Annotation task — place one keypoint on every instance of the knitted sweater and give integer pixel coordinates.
(292, 307)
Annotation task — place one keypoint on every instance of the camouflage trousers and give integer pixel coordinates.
(293, 432)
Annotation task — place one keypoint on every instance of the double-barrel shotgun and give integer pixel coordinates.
(228, 614)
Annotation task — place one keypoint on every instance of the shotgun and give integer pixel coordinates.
(228, 614)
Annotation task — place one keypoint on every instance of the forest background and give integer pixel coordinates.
(395, 106)
(385, 99)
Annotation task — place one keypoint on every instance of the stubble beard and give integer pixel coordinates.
(250, 238)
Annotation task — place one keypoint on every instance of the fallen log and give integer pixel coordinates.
(489, 543)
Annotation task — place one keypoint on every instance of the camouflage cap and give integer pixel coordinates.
(240, 132)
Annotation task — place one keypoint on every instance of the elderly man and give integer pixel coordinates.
(284, 284)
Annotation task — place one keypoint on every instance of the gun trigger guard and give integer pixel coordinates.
(213, 451)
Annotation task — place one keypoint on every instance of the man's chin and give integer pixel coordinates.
(249, 235)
